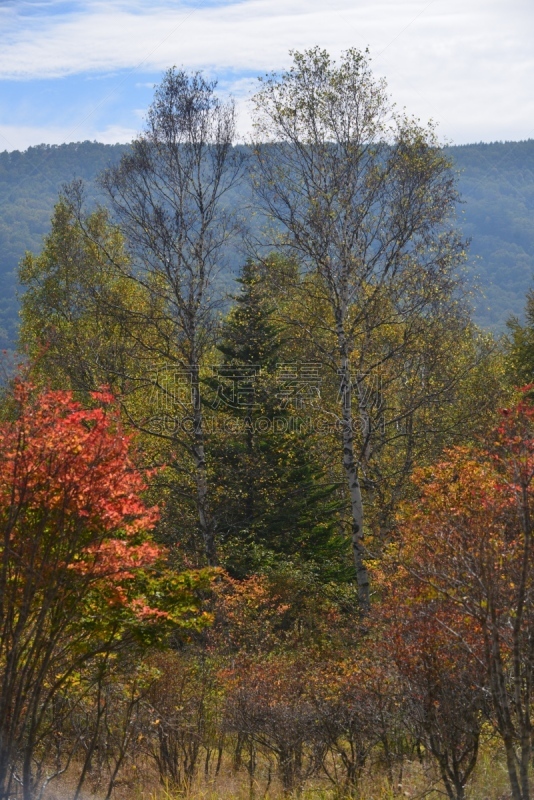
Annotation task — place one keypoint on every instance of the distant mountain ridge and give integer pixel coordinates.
(497, 186)
(496, 183)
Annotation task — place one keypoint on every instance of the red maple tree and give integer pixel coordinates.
(76, 558)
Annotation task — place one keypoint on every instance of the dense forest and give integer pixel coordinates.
(496, 184)
(266, 488)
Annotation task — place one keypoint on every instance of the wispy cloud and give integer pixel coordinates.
(468, 64)
(254, 34)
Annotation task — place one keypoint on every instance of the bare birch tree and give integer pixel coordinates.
(363, 198)
(170, 198)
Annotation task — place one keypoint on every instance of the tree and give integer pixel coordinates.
(467, 552)
(80, 315)
(86, 324)
(183, 717)
(267, 704)
(357, 702)
(170, 195)
(520, 345)
(443, 690)
(79, 575)
(363, 198)
(275, 496)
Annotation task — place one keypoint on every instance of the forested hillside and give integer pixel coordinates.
(496, 182)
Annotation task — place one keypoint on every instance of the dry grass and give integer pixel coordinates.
(416, 781)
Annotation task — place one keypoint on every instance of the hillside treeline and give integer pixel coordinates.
(496, 185)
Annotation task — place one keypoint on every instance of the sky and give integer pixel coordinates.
(72, 71)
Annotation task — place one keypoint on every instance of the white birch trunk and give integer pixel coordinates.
(206, 521)
(350, 467)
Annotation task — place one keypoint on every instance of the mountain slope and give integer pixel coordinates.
(496, 182)
(497, 185)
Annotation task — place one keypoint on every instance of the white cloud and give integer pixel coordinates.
(467, 63)
(20, 137)
(113, 134)
(252, 34)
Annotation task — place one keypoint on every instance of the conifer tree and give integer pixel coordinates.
(521, 346)
(276, 500)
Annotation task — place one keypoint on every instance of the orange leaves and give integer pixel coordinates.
(462, 573)
(115, 559)
(249, 612)
(59, 456)
(70, 493)
(464, 524)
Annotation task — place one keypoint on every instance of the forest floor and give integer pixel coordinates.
(416, 780)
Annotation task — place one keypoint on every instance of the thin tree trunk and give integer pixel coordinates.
(511, 763)
(206, 521)
(524, 765)
(351, 472)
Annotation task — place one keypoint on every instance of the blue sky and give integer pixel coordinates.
(71, 71)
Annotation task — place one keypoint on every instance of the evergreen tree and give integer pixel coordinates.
(250, 335)
(521, 346)
(275, 499)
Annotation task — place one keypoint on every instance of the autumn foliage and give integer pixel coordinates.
(458, 595)
(78, 570)
(283, 673)
(294, 549)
